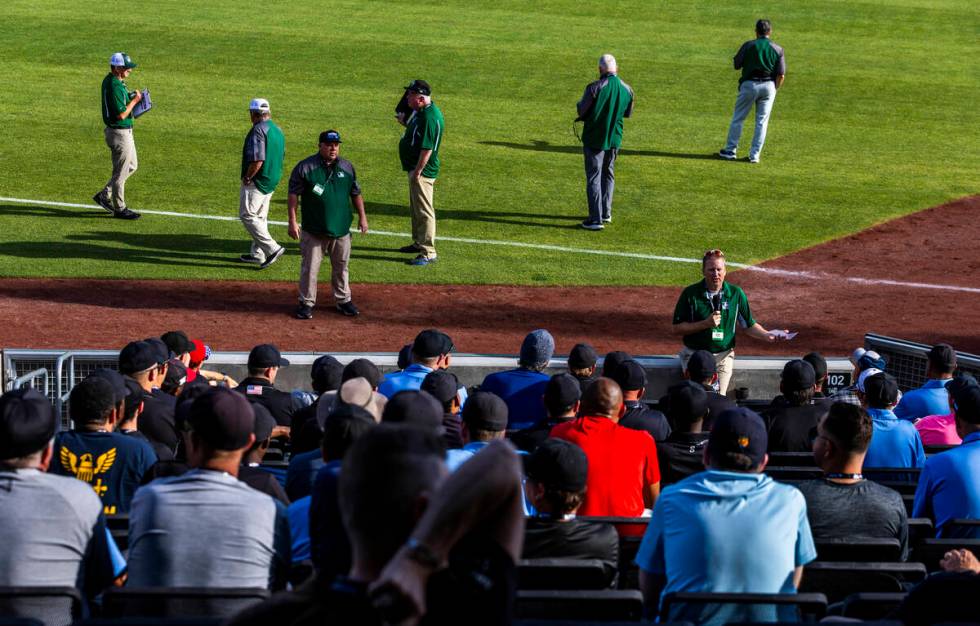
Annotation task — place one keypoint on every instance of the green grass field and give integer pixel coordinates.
(878, 118)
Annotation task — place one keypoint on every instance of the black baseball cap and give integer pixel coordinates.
(420, 87)
(405, 356)
(943, 357)
(612, 361)
(134, 396)
(442, 384)
(582, 357)
(432, 343)
(630, 376)
(264, 422)
(325, 373)
(330, 136)
(739, 430)
(558, 464)
(177, 342)
(701, 366)
(223, 418)
(138, 356)
(880, 390)
(687, 402)
(362, 368)
(485, 411)
(966, 399)
(163, 352)
(265, 355)
(27, 423)
(176, 376)
(798, 375)
(417, 408)
(117, 380)
(562, 391)
(819, 364)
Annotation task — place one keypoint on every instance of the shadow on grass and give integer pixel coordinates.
(543, 146)
(44, 211)
(515, 218)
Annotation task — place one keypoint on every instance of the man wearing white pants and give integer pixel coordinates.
(262, 157)
(763, 68)
(117, 114)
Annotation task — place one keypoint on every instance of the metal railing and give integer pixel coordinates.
(29, 378)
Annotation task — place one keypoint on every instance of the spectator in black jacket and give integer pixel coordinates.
(142, 362)
(444, 387)
(792, 418)
(264, 362)
(682, 453)
(249, 472)
(582, 364)
(561, 400)
(702, 369)
(632, 380)
(305, 431)
(819, 364)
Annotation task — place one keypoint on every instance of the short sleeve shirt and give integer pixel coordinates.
(894, 442)
(695, 305)
(265, 142)
(325, 192)
(948, 487)
(115, 99)
(424, 132)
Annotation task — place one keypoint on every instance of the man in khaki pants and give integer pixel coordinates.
(262, 157)
(419, 153)
(325, 186)
(117, 114)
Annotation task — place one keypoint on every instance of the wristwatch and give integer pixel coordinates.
(421, 553)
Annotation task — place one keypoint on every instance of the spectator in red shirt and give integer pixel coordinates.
(624, 476)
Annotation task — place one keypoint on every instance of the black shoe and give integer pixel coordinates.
(589, 225)
(126, 214)
(412, 249)
(269, 260)
(249, 258)
(348, 309)
(304, 312)
(102, 199)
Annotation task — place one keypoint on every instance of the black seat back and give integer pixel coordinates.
(52, 606)
(807, 607)
(179, 601)
(561, 574)
(882, 550)
(839, 580)
(604, 605)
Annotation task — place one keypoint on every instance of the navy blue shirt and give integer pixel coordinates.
(522, 390)
(329, 544)
(302, 472)
(112, 463)
(949, 487)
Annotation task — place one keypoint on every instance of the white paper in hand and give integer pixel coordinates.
(782, 334)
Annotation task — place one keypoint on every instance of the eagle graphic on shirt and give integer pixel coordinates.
(83, 467)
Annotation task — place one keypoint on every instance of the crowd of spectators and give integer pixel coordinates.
(406, 495)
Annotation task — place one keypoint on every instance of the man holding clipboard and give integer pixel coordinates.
(117, 114)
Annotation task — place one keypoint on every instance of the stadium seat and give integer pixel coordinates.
(962, 529)
(811, 606)
(625, 526)
(121, 537)
(859, 550)
(556, 574)
(178, 601)
(871, 606)
(841, 579)
(931, 551)
(120, 521)
(53, 606)
(611, 605)
(908, 499)
(936, 449)
(920, 528)
(299, 572)
(629, 573)
(897, 475)
(792, 459)
(783, 473)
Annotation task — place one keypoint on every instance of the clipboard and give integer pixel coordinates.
(143, 105)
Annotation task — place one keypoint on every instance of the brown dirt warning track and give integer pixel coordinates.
(915, 277)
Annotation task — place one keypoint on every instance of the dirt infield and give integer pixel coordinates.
(830, 309)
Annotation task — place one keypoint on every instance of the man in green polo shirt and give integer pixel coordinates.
(706, 316)
(419, 153)
(117, 114)
(262, 156)
(603, 106)
(325, 186)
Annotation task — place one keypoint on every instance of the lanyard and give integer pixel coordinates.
(833, 475)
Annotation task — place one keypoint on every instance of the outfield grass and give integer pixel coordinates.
(878, 118)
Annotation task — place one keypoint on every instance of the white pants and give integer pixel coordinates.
(253, 210)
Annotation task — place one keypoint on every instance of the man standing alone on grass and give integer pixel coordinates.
(603, 106)
(419, 153)
(262, 157)
(763, 71)
(325, 185)
(117, 114)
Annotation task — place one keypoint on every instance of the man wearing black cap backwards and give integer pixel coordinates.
(264, 362)
(792, 418)
(419, 153)
(751, 523)
(326, 186)
(53, 525)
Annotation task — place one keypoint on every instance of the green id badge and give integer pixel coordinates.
(717, 334)
(318, 189)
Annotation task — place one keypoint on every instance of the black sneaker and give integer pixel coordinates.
(269, 260)
(412, 249)
(249, 258)
(589, 225)
(126, 214)
(348, 309)
(102, 199)
(304, 312)
(728, 156)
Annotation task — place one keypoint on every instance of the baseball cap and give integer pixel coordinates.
(259, 104)
(582, 357)
(417, 408)
(265, 355)
(359, 392)
(223, 418)
(537, 347)
(138, 356)
(115, 379)
(121, 59)
(865, 375)
(176, 376)
(966, 399)
(701, 366)
(177, 342)
(431, 343)
(558, 464)
(485, 411)
(420, 87)
(134, 396)
(880, 389)
(866, 359)
(362, 368)
(442, 384)
(630, 376)
(264, 422)
(943, 356)
(163, 352)
(612, 361)
(405, 356)
(330, 136)
(818, 363)
(686, 402)
(27, 422)
(561, 392)
(798, 375)
(325, 373)
(201, 352)
(738, 430)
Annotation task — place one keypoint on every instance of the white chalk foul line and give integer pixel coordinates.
(552, 248)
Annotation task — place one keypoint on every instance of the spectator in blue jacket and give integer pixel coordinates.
(894, 442)
(522, 388)
(931, 398)
(431, 350)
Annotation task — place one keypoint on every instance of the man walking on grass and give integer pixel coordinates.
(262, 157)
(117, 114)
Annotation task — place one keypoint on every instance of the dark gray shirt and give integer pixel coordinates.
(863, 510)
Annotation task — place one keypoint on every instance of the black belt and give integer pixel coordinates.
(762, 79)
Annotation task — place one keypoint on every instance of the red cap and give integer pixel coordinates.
(199, 353)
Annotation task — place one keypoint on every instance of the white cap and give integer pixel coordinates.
(121, 59)
(871, 371)
(259, 104)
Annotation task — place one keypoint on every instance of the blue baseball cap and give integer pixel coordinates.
(739, 430)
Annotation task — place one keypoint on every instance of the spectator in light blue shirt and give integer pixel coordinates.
(931, 398)
(894, 442)
(949, 487)
(523, 388)
(728, 529)
(431, 350)
(484, 420)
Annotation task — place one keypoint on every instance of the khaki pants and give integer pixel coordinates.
(423, 213)
(123, 149)
(253, 210)
(313, 248)
(724, 361)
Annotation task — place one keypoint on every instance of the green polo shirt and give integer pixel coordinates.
(115, 99)
(265, 142)
(695, 305)
(603, 106)
(325, 194)
(424, 132)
